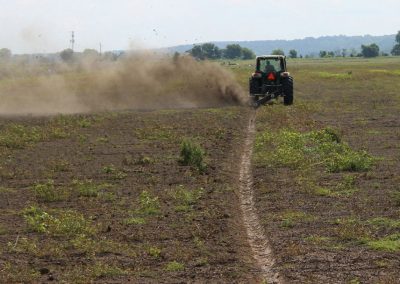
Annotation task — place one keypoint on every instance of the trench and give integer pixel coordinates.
(258, 242)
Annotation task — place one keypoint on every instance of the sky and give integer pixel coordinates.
(36, 26)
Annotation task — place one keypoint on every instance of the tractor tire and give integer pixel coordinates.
(253, 86)
(288, 91)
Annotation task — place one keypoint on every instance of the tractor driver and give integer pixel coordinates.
(269, 68)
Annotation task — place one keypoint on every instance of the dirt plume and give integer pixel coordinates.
(132, 82)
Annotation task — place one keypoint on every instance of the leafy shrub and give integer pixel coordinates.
(192, 155)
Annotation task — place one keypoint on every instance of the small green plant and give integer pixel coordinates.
(291, 218)
(100, 270)
(61, 166)
(149, 205)
(23, 245)
(145, 161)
(154, 252)
(395, 195)
(174, 266)
(186, 198)
(192, 155)
(65, 223)
(135, 221)
(84, 123)
(47, 192)
(110, 169)
(390, 243)
(17, 136)
(86, 188)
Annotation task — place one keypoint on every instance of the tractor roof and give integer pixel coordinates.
(271, 57)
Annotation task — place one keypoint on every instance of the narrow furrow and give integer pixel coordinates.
(257, 239)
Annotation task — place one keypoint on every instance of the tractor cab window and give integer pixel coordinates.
(270, 65)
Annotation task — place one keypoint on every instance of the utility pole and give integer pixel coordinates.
(100, 48)
(72, 40)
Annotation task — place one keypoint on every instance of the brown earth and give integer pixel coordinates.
(323, 238)
(126, 154)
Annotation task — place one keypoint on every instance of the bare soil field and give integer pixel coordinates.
(109, 198)
(326, 174)
(104, 198)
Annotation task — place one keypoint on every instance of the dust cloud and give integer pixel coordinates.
(133, 82)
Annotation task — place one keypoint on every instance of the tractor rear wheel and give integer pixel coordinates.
(288, 91)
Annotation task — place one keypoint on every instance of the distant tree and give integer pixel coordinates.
(210, 51)
(206, 51)
(5, 53)
(344, 52)
(278, 52)
(247, 53)
(293, 53)
(67, 55)
(331, 54)
(233, 51)
(90, 52)
(370, 50)
(396, 48)
(176, 56)
(323, 53)
(197, 52)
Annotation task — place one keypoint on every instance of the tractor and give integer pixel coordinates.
(271, 81)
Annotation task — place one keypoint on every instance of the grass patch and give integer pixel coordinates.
(174, 266)
(47, 192)
(291, 218)
(113, 172)
(192, 155)
(63, 223)
(16, 136)
(186, 198)
(289, 148)
(337, 76)
(390, 243)
(154, 252)
(88, 188)
(149, 204)
(135, 221)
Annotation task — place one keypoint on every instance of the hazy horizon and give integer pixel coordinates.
(36, 26)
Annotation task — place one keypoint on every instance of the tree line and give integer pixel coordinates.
(211, 51)
(232, 51)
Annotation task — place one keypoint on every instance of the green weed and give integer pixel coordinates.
(86, 188)
(174, 266)
(17, 136)
(65, 223)
(390, 243)
(135, 221)
(154, 252)
(47, 192)
(192, 155)
(186, 198)
(149, 205)
(289, 148)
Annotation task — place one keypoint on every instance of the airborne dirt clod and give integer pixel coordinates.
(259, 243)
(133, 82)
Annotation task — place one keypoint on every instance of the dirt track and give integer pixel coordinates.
(260, 246)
